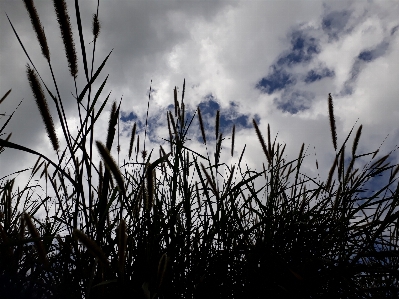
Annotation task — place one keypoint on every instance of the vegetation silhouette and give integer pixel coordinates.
(182, 238)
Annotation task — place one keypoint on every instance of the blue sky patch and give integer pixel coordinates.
(227, 118)
(277, 79)
(370, 55)
(303, 48)
(318, 74)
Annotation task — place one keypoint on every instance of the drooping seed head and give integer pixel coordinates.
(43, 107)
(66, 33)
(37, 26)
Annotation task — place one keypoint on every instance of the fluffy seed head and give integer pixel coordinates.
(38, 243)
(93, 248)
(332, 121)
(43, 107)
(95, 26)
(262, 141)
(66, 33)
(37, 26)
(111, 165)
(132, 140)
(201, 125)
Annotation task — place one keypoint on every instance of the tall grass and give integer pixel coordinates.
(154, 233)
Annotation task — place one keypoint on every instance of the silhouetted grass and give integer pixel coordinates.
(183, 238)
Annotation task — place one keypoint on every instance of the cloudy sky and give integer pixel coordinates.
(275, 61)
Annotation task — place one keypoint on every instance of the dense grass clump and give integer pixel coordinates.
(156, 233)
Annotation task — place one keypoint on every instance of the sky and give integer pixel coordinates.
(273, 61)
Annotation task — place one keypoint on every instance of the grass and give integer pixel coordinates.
(154, 233)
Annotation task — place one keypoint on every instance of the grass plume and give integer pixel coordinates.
(132, 140)
(38, 242)
(66, 33)
(201, 125)
(232, 140)
(262, 141)
(217, 124)
(93, 248)
(110, 163)
(332, 121)
(95, 26)
(37, 25)
(42, 105)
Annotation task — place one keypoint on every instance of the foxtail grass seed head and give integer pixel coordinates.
(95, 26)
(170, 132)
(217, 123)
(176, 102)
(42, 105)
(111, 165)
(269, 146)
(93, 248)
(218, 148)
(330, 174)
(201, 125)
(341, 162)
(356, 141)
(231, 177)
(113, 119)
(66, 33)
(143, 154)
(300, 154)
(38, 243)
(232, 140)
(210, 181)
(37, 26)
(184, 89)
(332, 121)
(132, 140)
(262, 141)
(172, 121)
(182, 116)
(137, 146)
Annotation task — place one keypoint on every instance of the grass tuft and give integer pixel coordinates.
(170, 228)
